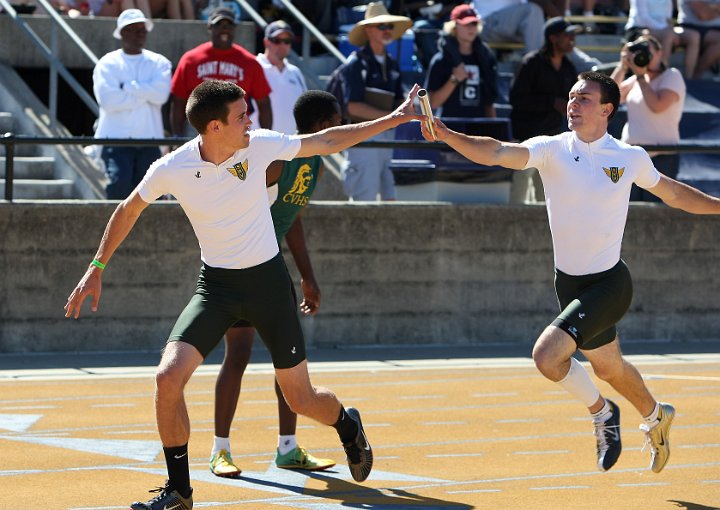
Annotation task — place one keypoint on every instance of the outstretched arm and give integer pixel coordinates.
(681, 196)
(336, 139)
(119, 226)
(480, 149)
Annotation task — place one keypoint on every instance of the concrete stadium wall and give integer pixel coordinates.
(397, 273)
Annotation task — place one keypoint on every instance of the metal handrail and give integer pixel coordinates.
(55, 65)
(309, 26)
(9, 140)
(69, 31)
(302, 19)
(294, 57)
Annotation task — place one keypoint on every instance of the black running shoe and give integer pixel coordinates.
(166, 500)
(358, 451)
(607, 435)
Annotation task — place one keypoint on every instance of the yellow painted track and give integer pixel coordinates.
(486, 434)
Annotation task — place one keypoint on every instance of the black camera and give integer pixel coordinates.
(640, 53)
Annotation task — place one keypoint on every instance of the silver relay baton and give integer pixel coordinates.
(427, 111)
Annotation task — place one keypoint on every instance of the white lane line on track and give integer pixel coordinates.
(683, 378)
(557, 475)
(560, 487)
(541, 452)
(646, 484)
(473, 492)
(347, 366)
(444, 455)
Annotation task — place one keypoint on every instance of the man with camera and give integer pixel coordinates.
(654, 96)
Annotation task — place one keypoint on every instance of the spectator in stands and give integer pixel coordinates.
(113, 8)
(172, 9)
(654, 97)
(704, 17)
(219, 59)
(372, 88)
(428, 22)
(462, 78)
(131, 85)
(515, 21)
(539, 91)
(511, 21)
(553, 8)
(587, 7)
(285, 79)
(655, 16)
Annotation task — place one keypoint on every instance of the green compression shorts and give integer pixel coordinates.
(262, 295)
(593, 304)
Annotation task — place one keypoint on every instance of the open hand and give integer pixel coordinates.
(90, 284)
(407, 108)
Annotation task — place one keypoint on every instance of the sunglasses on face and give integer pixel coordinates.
(385, 26)
(277, 40)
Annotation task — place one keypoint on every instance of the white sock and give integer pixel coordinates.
(577, 382)
(603, 414)
(653, 418)
(220, 443)
(286, 444)
(588, 13)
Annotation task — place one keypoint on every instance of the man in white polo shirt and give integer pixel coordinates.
(285, 79)
(587, 175)
(219, 180)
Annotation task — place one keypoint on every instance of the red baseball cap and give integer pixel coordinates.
(464, 14)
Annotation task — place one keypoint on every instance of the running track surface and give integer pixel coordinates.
(446, 433)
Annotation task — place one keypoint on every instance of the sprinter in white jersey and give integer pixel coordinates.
(219, 180)
(587, 175)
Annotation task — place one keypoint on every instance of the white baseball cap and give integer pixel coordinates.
(128, 17)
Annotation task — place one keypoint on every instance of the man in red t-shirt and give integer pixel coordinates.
(219, 59)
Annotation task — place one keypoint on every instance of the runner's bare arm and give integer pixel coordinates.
(118, 227)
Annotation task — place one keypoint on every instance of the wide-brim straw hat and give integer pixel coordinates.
(375, 14)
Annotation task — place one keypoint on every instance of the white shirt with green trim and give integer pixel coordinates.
(587, 192)
(227, 204)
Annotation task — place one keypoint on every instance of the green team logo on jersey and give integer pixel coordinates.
(240, 170)
(614, 173)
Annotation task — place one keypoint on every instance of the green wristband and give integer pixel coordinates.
(97, 263)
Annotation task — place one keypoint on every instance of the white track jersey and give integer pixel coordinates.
(226, 204)
(587, 191)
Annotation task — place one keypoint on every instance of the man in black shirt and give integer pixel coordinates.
(539, 91)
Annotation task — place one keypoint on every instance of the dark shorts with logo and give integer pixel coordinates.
(263, 295)
(593, 304)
